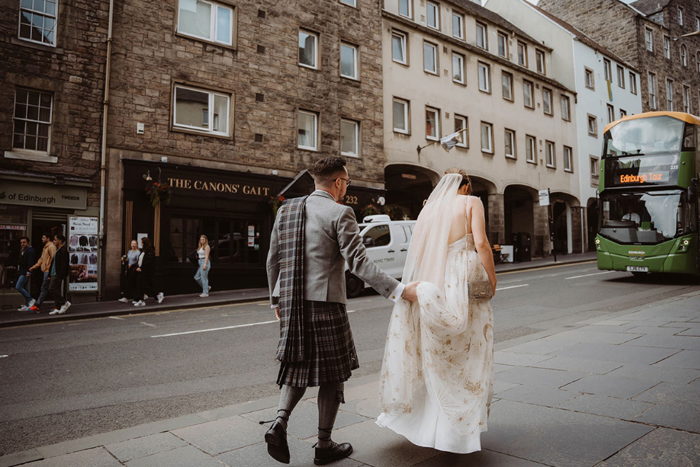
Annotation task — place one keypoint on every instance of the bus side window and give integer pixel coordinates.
(689, 137)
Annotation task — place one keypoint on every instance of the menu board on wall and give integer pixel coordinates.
(82, 251)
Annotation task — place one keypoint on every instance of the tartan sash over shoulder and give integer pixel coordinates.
(291, 346)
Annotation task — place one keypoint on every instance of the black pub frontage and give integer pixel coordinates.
(233, 209)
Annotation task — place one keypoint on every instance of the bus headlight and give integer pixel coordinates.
(683, 247)
(597, 244)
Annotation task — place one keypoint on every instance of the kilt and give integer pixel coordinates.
(331, 354)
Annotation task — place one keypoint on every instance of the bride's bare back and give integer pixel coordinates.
(459, 227)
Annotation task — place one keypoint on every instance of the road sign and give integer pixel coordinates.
(544, 197)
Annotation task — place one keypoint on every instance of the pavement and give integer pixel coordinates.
(11, 317)
(614, 392)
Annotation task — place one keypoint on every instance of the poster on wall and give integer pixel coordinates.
(82, 251)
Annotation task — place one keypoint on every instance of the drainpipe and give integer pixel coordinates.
(103, 155)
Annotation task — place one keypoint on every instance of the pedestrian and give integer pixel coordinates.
(24, 274)
(145, 272)
(60, 268)
(44, 264)
(202, 274)
(130, 263)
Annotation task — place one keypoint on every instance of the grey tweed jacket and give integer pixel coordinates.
(332, 237)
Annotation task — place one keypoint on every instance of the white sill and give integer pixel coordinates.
(432, 138)
(532, 162)
(511, 157)
(402, 132)
(551, 166)
(307, 148)
(308, 66)
(31, 156)
(349, 154)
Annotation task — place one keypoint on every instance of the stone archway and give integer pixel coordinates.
(524, 224)
(568, 221)
(408, 187)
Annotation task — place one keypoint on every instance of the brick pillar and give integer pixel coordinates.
(497, 219)
(541, 245)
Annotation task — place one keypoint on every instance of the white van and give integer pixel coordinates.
(387, 243)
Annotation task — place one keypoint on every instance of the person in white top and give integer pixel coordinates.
(631, 215)
(202, 275)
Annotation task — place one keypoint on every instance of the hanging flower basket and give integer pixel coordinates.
(370, 210)
(159, 193)
(275, 203)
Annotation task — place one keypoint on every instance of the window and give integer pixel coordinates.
(680, 16)
(633, 83)
(32, 120)
(432, 124)
(510, 143)
(349, 138)
(590, 83)
(352, 3)
(621, 77)
(595, 176)
(522, 54)
(565, 109)
(307, 130)
(686, 99)
(623, 113)
(37, 21)
(458, 25)
(308, 49)
(430, 57)
(547, 101)
(649, 39)
(607, 70)
(481, 35)
(487, 137)
(667, 47)
(507, 85)
(550, 154)
(406, 8)
(201, 110)
(684, 56)
(377, 236)
(348, 61)
(568, 159)
(401, 116)
(461, 123)
(484, 77)
(527, 94)
(531, 149)
(652, 90)
(398, 47)
(539, 58)
(611, 113)
(433, 15)
(458, 68)
(697, 24)
(205, 20)
(502, 45)
(229, 234)
(592, 125)
(669, 95)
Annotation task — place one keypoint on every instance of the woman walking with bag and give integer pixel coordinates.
(145, 271)
(130, 261)
(202, 275)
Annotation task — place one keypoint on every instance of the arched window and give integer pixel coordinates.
(684, 56)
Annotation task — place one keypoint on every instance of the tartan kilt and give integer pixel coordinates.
(331, 354)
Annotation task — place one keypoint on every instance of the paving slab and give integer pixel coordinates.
(611, 385)
(599, 367)
(477, 459)
(591, 337)
(668, 342)
(145, 446)
(518, 359)
(301, 454)
(547, 397)
(666, 393)
(499, 386)
(19, 458)
(682, 359)
(616, 353)
(660, 448)
(666, 331)
(600, 327)
(692, 332)
(497, 368)
(187, 456)
(222, 435)
(542, 434)
(657, 373)
(540, 377)
(680, 416)
(95, 457)
(538, 347)
(606, 406)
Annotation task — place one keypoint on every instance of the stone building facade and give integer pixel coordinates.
(52, 74)
(228, 102)
(649, 35)
(453, 64)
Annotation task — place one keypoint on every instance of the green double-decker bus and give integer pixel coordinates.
(648, 187)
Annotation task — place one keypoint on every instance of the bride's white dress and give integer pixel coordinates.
(437, 377)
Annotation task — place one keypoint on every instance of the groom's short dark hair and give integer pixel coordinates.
(325, 169)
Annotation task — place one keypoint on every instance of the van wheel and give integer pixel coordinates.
(354, 285)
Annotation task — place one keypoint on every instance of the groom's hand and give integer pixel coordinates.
(409, 293)
(277, 312)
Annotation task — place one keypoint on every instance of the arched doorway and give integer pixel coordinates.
(519, 220)
(568, 223)
(408, 186)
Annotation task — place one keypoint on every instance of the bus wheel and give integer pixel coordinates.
(354, 285)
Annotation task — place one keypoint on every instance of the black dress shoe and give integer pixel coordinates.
(276, 439)
(333, 453)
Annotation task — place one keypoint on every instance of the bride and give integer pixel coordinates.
(437, 376)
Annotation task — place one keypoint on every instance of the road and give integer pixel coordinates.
(67, 380)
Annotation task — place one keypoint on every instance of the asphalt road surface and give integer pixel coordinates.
(67, 380)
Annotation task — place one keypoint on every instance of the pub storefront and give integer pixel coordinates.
(233, 209)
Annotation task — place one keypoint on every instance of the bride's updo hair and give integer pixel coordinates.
(465, 178)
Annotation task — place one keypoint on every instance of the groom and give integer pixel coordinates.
(311, 240)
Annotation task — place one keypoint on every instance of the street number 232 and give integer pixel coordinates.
(351, 200)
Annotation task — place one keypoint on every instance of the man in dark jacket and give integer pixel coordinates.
(26, 260)
(145, 273)
(60, 267)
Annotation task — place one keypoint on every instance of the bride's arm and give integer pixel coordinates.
(483, 247)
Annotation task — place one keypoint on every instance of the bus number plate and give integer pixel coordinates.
(637, 269)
